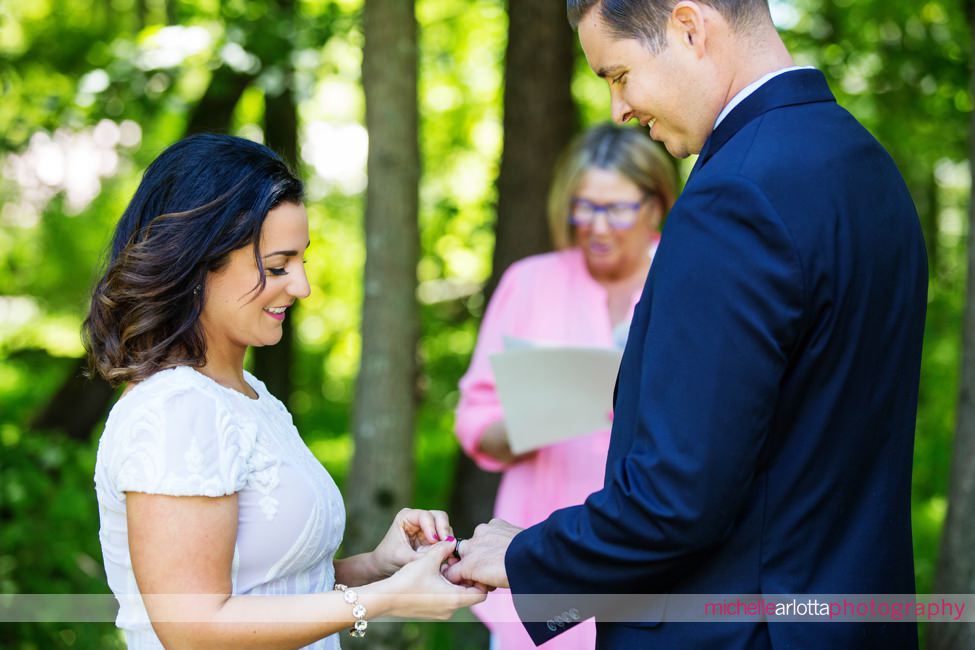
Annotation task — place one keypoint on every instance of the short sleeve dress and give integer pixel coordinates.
(180, 433)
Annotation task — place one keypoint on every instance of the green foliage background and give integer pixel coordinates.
(65, 66)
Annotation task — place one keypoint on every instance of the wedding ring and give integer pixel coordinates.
(457, 547)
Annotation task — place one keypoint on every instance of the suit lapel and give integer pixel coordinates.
(703, 155)
(788, 89)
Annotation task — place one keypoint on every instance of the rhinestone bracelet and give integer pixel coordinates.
(358, 611)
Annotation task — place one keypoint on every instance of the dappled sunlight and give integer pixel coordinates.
(784, 14)
(16, 312)
(23, 324)
(72, 162)
(234, 55)
(337, 153)
(169, 46)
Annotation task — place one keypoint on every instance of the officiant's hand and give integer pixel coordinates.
(494, 443)
(409, 536)
(482, 556)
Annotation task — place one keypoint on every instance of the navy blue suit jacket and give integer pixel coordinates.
(764, 419)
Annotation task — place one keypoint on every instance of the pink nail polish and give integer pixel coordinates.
(437, 537)
(450, 539)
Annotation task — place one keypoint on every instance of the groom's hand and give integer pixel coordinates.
(482, 556)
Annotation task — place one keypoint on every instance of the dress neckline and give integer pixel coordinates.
(247, 378)
(227, 388)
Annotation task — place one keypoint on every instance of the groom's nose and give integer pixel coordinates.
(622, 112)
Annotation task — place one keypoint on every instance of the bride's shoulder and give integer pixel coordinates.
(171, 388)
(177, 433)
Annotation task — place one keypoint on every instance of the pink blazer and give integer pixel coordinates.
(550, 298)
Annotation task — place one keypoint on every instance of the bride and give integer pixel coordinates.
(218, 525)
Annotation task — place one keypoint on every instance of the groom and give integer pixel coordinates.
(764, 420)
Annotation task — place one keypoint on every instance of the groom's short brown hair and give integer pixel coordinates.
(646, 20)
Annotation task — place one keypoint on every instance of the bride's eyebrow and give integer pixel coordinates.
(285, 253)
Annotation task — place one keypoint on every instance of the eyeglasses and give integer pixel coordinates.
(619, 216)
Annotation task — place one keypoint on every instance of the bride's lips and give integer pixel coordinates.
(278, 316)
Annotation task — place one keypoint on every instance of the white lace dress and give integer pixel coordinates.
(182, 434)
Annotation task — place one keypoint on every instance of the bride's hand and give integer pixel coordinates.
(419, 589)
(409, 537)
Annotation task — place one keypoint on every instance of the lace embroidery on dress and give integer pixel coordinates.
(263, 477)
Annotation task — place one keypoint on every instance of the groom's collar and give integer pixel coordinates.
(789, 89)
(747, 91)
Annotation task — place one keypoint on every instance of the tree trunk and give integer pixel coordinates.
(77, 406)
(140, 15)
(956, 565)
(539, 121)
(272, 364)
(381, 477)
(213, 112)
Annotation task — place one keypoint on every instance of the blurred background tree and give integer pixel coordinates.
(94, 89)
(381, 479)
(956, 564)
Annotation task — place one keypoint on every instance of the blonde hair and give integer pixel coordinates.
(629, 152)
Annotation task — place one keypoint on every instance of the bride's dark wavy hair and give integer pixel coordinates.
(202, 198)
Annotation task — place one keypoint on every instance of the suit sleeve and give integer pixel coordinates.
(725, 304)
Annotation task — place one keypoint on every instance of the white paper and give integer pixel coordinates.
(553, 393)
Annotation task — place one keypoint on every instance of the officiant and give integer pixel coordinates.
(610, 195)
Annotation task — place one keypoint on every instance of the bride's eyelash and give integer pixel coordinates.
(279, 270)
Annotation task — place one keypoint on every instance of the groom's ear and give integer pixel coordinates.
(688, 25)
